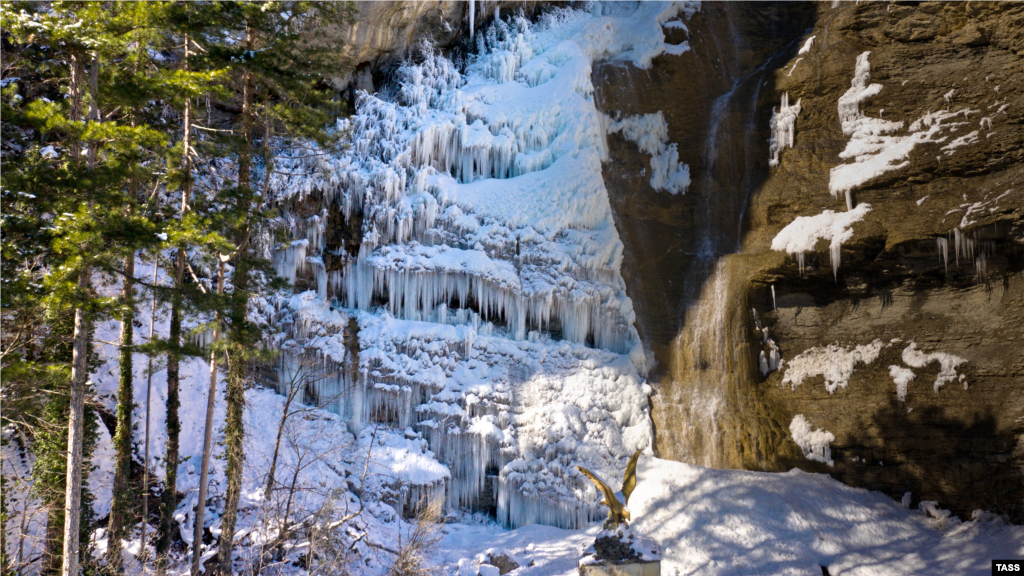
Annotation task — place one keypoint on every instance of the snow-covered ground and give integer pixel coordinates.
(716, 522)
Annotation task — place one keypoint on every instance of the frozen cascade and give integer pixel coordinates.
(783, 127)
(480, 307)
(770, 358)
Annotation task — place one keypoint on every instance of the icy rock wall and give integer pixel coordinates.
(492, 315)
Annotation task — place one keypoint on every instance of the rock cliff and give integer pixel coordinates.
(929, 283)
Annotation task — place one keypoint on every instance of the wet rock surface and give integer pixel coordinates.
(698, 264)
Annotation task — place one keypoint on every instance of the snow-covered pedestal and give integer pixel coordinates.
(621, 552)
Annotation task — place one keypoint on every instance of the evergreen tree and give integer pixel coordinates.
(80, 181)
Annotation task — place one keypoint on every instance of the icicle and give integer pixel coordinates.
(849, 200)
(957, 243)
(981, 267)
(472, 18)
(774, 305)
(834, 253)
(943, 246)
(800, 262)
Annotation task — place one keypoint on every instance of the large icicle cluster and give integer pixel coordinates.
(467, 232)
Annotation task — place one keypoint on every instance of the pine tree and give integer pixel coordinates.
(81, 176)
(129, 88)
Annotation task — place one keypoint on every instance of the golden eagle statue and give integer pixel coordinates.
(616, 503)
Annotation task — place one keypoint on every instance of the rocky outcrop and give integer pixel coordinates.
(706, 283)
(382, 33)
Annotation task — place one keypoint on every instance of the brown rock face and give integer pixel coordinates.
(698, 264)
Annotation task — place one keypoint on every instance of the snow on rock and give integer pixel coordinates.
(814, 443)
(800, 235)
(834, 362)
(873, 147)
(902, 377)
(783, 128)
(917, 359)
(849, 102)
(492, 316)
(807, 45)
(964, 140)
(650, 133)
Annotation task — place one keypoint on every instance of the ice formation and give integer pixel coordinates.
(650, 133)
(902, 377)
(814, 443)
(800, 235)
(834, 362)
(916, 359)
(783, 127)
(873, 147)
(481, 308)
(770, 358)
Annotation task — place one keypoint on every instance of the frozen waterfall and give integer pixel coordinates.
(461, 268)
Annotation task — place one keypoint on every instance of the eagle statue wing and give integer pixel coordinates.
(609, 496)
(629, 480)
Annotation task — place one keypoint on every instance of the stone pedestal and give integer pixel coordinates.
(628, 568)
(620, 552)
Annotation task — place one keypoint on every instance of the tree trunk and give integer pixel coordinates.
(234, 428)
(149, 389)
(197, 529)
(76, 432)
(123, 498)
(170, 496)
(79, 359)
(5, 560)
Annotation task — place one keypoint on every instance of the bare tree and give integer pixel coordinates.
(422, 539)
(304, 379)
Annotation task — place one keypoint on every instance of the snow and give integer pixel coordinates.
(650, 133)
(712, 522)
(807, 45)
(964, 140)
(836, 363)
(916, 359)
(873, 146)
(814, 443)
(902, 377)
(801, 235)
(793, 67)
(783, 128)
